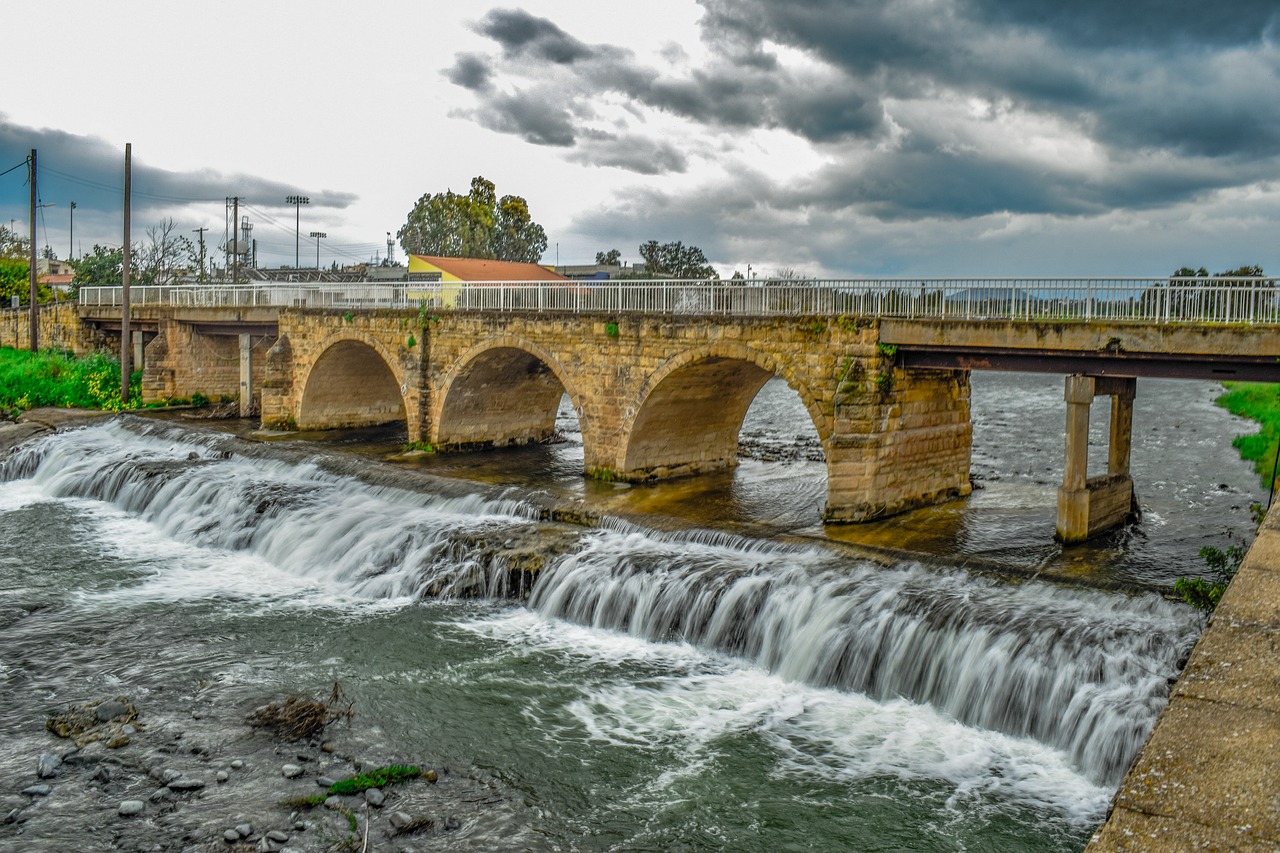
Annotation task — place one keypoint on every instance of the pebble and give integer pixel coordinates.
(109, 710)
(38, 791)
(128, 730)
(277, 836)
(334, 803)
(374, 797)
(291, 771)
(451, 823)
(169, 774)
(222, 776)
(326, 747)
(400, 819)
(324, 781)
(47, 766)
(231, 836)
(244, 829)
(186, 784)
(431, 776)
(237, 764)
(129, 808)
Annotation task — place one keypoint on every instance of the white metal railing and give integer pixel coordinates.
(1152, 300)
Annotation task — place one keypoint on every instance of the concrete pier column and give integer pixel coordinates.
(1121, 426)
(246, 374)
(1087, 507)
(137, 350)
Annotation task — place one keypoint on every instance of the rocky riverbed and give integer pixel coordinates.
(201, 778)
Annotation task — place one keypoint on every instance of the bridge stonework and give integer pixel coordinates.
(328, 369)
(655, 397)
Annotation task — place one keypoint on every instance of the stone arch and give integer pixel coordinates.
(352, 383)
(689, 412)
(504, 391)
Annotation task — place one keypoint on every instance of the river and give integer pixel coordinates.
(707, 670)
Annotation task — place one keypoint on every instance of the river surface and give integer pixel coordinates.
(708, 670)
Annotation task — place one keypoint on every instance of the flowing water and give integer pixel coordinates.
(662, 689)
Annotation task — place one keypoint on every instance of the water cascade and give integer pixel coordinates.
(1082, 671)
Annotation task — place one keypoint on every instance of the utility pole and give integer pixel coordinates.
(35, 295)
(297, 201)
(126, 344)
(318, 235)
(235, 218)
(71, 254)
(199, 231)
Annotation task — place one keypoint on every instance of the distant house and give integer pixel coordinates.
(425, 269)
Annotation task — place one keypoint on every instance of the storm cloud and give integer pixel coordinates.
(960, 108)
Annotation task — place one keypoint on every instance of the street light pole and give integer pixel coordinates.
(71, 253)
(297, 201)
(318, 235)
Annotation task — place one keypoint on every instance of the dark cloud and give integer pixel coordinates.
(633, 153)
(1168, 24)
(529, 116)
(91, 171)
(1172, 100)
(470, 72)
(520, 33)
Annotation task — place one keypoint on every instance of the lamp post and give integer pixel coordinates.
(71, 250)
(318, 235)
(297, 201)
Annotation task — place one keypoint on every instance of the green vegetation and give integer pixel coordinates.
(1259, 402)
(382, 777)
(420, 446)
(30, 380)
(1205, 593)
(611, 329)
(475, 225)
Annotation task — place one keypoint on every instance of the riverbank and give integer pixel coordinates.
(1259, 402)
(35, 380)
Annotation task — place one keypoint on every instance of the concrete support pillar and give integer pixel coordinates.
(246, 374)
(1087, 507)
(137, 350)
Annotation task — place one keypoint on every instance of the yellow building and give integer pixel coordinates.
(430, 276)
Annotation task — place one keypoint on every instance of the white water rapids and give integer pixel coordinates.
(1037, 693)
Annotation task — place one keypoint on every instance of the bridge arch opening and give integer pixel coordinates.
(504, 396)
(350, 385)
(692, 419)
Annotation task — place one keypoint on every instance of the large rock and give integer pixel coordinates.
(129, 808)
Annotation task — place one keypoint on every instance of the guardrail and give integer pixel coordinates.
(1154, 300)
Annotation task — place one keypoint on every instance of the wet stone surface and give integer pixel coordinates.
(157, 792)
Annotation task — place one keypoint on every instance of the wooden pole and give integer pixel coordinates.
(34, 307)
(126, 345)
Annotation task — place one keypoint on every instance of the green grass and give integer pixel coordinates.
(380, 778)
(30, 380)
(1259, 402)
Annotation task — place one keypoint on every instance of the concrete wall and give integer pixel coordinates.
(1208, 776)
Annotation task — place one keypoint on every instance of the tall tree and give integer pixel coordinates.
(676, 259)
(611, 258)
(13, 245)
(475, 225)
(165, 254)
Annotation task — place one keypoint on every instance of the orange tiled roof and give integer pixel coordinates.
(481, 269)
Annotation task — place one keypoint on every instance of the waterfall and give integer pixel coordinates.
(372, 541)
(1084, 671)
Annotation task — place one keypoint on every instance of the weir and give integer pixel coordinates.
(1081, 671)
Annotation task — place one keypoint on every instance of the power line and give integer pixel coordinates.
(18, 166)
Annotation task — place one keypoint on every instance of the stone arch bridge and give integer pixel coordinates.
(656, 397)
(662, 373)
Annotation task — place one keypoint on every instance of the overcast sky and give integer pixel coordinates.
(887, 137)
